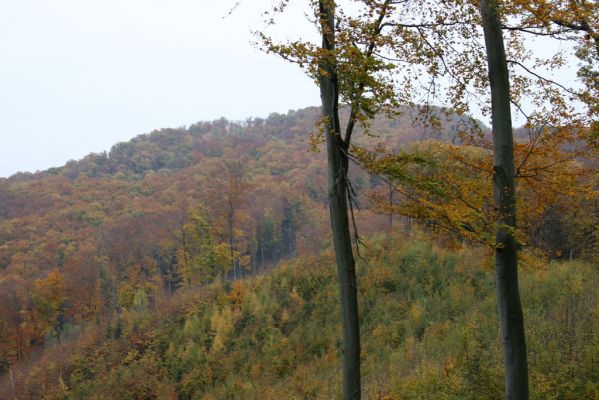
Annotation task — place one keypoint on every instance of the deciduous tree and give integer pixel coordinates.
(345, 69)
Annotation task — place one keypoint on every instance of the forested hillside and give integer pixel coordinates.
(173, 208)
(195, 263)
(429, 323)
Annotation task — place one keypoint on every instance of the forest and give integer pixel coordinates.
(387, 244)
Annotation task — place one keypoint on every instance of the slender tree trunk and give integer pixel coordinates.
(12, 381)
(289, 237)
(390, 204)
(230, 217)
(262, 254)
(337, 177)
(506, 258)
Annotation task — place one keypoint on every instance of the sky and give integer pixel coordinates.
(78, 76)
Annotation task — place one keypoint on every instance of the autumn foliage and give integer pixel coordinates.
(195, 262)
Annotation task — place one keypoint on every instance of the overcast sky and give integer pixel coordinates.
(77, 76)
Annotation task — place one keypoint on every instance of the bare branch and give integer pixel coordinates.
(542, 78)
(232, 10)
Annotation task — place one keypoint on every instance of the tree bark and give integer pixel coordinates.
(506, 257)
(337, 178)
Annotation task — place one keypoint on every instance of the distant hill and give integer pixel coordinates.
(125, 215)
(173, 149)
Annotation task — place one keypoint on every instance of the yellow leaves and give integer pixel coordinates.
(416, 312)
(255, 371)
(285, 315)
(577, 284)
(296, 297)
(130, 357)
(222, 323)
(61, 385)
(532, 261)
(126, 294)
(53, 283)
(222, 255)
(446, 186)
(237, 292)
(255, 306)
(449, 187)
(49, 296)
(450, 364)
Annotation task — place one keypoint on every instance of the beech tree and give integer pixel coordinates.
(460, 71)
(346, 70)
(504, 173)
(504, 189)
(338, 188)
(574, 21)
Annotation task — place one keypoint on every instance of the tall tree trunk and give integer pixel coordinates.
(12, 381)
(230, 219)
(337, 177)
(391, 191)
(506, 258)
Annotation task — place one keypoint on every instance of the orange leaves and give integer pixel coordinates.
(448, 187)
(551, 174)
(237, 292)
(49, 295)
(444, 186)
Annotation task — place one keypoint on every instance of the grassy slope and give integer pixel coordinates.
(429, 332)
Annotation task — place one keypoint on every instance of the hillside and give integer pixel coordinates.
(428, 323)
(117, 223)
(195, 262)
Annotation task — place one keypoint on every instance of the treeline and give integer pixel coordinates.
(176, 149)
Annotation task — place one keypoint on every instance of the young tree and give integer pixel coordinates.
(226, 194)
(202, 259)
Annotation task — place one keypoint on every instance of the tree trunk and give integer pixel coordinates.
(230, 218)
(262, 254)
(12, 381)
(337, 177)
(390, 204)
(506, 258)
